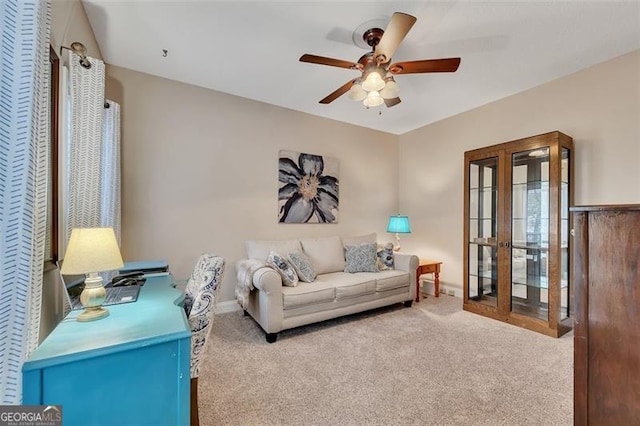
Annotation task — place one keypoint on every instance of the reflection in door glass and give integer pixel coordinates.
(483, 230)
(530, 233)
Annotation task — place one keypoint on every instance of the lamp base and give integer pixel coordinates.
(92, 314)
(92, 298)
(397, 246)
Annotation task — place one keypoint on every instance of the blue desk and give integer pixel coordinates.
(130, 368)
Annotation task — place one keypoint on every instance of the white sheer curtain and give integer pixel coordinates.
(110, 213)
(24, 145)
(92, 162)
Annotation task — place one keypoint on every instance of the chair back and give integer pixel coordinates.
(201, 295)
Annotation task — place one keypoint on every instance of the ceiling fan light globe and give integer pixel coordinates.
(373, 99)
(356, 93)
(373, 82)
(391, 90)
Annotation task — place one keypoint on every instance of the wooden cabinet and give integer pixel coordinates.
(607, 315)
(516, 232)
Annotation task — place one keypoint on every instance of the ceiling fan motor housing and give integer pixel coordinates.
(372, 36)
(367, 64)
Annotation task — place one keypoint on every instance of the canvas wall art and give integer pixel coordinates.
(308, 188)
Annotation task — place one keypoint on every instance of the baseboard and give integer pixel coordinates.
(428, 287)
(228, 306)
(450, 291)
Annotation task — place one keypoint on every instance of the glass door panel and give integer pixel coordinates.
(483, 229)
(530, 233)
(564, 233)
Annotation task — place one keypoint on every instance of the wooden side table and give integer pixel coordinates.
(428, 267)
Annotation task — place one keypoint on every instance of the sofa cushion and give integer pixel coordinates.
(349, 285)
(361, 258)
(284, 268)
(326, 254)
(259, 249)
(360, 239)
(346, 290)
(303, 266)
(308, 293)
(388, 280)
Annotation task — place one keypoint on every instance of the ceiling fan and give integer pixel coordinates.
(376, 84)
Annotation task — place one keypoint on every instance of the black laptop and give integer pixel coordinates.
(74, 284)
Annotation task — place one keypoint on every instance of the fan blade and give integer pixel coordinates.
(321, 60)
(391, 102)
(427, 65)
(338, 92)
(396, 31)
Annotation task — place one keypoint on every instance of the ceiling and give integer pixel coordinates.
(251, 49)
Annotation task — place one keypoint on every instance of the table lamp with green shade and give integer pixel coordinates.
(398, 224)
(92, 250)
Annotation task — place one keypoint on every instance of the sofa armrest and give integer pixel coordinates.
(266, 307)
(406, 262)
(409, 263)
(267, 280)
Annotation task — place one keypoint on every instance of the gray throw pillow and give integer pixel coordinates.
(303, 266)
(361, 258)
(284, 268)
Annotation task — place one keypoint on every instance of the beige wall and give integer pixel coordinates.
(599, 107)
(200, 172)
(69, 23)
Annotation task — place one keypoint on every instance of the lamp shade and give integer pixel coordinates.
(399, 224)
(356, 93)
(91, 250)
(373, 99)
(373, 82)
(391, 89)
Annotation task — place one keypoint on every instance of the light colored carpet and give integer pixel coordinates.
(431, 364)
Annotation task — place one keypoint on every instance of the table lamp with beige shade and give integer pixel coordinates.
(92, 250)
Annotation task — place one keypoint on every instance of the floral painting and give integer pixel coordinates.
(308, 188)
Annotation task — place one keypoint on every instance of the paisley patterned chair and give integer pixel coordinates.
(200, 299)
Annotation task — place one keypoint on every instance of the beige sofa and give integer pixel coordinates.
(334, 292)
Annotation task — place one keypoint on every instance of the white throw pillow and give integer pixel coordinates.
(284, 268)
(385, 257)
(326, 254)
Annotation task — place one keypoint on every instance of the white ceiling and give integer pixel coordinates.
(251, 49)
